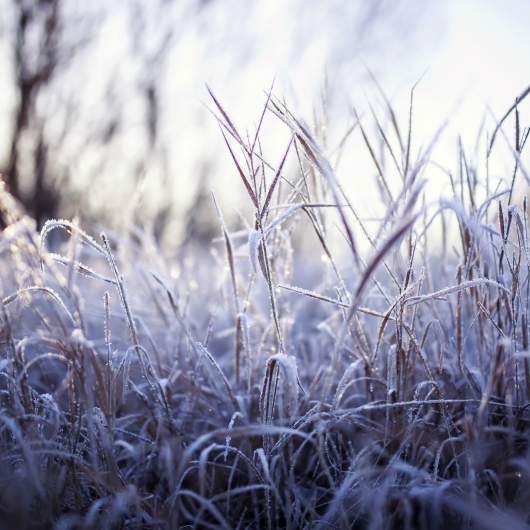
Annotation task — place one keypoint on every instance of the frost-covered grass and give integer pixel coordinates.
(299, 388)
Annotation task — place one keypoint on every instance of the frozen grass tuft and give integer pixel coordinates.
(276, 380)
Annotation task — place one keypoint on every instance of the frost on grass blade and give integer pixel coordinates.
(275, 181)
(262, 263)
(229, 126)
(521, 232)
(235, 415)
(281, 218)
(254, 240)
(315, 155)
(70, 228)
(413, 300)
(334, 301)
(120, 283)
(229, 250)
(125, 365)
(290, 372)
(248, 187)
(341, 388)
(81, 268)
(223, 376)
(36, 288)
(312, 294)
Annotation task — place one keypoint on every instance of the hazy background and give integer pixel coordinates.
(103, 105)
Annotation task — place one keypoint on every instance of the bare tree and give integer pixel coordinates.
(41, 48)
(35, 62)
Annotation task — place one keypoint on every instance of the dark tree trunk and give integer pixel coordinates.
(41, 202)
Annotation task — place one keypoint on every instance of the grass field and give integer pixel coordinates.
(280, 378)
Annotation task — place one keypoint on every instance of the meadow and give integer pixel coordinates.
(278, 377)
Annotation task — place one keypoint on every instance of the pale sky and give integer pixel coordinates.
(483, 60)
